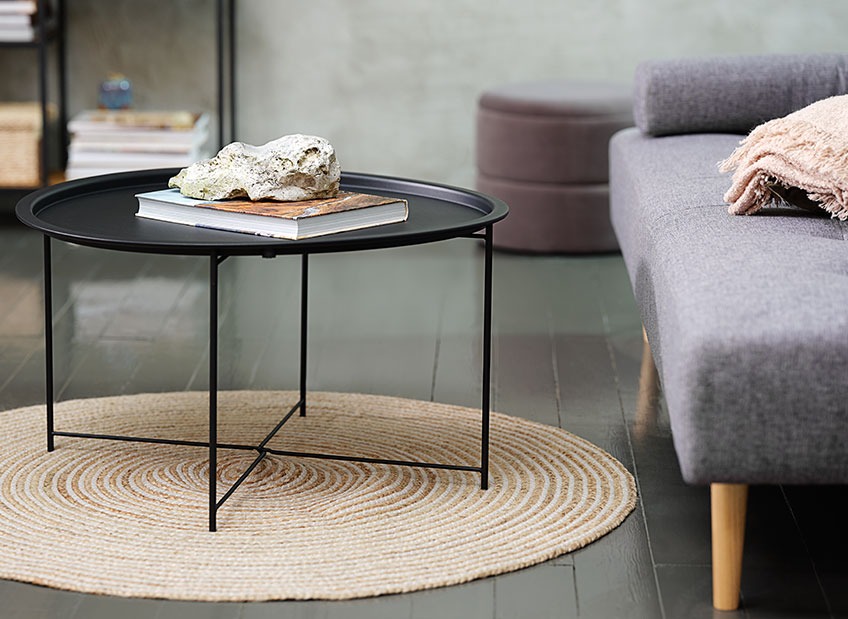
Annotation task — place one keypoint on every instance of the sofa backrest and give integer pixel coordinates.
(731, 94)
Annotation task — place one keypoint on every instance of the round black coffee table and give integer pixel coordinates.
(100, 212)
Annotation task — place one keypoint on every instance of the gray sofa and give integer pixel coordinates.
(747, 317)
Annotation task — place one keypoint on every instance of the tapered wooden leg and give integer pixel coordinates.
(728, 522)
(648, 398)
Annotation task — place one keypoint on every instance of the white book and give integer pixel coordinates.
(15, 20)
(286, 220)
(74, 171)
(184, 139)
(105, 146)
(24, 7)
(95, 158)
(22, 34)
(138, 122)
(128, 160)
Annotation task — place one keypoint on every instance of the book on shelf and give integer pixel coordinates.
(104, 141)
(129, 144)
(17, 34)
(108, 121)
(74, 172)
(18, 7)
(110, 158)
(15, 20)
(285, 220)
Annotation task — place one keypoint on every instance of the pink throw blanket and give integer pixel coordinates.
(807, 150)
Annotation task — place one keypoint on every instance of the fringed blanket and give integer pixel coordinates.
(806, 150)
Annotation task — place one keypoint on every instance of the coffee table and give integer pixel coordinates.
(100, 212)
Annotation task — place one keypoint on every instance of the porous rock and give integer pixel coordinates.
(291, 168)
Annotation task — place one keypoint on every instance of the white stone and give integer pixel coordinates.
(290, 168)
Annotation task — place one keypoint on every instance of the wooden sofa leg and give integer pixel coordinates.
(647, 404)
(728, 523)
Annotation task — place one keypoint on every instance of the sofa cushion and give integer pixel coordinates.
(732, 93)
(747, 316)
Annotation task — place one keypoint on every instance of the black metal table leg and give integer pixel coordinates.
(213, 391)
(487, 359)
(48, 340)
(304, 291)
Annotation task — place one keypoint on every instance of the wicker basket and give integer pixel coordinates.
(20, 144)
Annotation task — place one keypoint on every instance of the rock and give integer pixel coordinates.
(290, 168)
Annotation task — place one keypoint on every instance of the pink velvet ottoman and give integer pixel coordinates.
(542, 149)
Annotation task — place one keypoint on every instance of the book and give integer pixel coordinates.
(284, 220)
(17, 34)
(131, 160)
(15, 21)
(109, 121)
(24, 7)
(81, 144)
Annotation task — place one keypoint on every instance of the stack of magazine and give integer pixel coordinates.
(16, 21)
(105, 141)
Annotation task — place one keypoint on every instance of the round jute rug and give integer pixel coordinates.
(130, 519)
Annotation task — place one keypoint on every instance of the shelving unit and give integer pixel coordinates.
(47, 31)
(226, 12)
(53, 31)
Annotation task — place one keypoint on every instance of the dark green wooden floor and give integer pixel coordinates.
(567, 352)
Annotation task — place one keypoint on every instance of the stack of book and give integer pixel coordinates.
(16, 18)
(106, 141)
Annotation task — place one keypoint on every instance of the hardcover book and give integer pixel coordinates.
(285, 220)
(112, 120)
(19, 7)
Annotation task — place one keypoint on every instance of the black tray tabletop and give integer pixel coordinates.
(100, 212)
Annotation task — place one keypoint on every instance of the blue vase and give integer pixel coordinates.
(115, 93)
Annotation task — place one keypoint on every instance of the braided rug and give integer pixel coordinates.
(130, 519)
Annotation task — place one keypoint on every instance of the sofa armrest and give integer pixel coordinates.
(732, 94)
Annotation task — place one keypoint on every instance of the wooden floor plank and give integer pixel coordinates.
(587, 383)
(106, 607)
(473, 600)
(614, 576)
(537, 592)
(687, 593)
(774, 591)
(199, 610)
(19, 599)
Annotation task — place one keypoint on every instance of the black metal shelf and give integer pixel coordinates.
(49, 29)
(52, 30)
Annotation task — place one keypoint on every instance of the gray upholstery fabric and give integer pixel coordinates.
(551, 217)
(732, 94)
(747, 316)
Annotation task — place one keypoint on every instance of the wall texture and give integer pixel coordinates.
(394, 84)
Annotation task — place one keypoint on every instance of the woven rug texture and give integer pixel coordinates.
(131, 519)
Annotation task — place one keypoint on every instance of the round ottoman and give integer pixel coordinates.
(542, 147)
